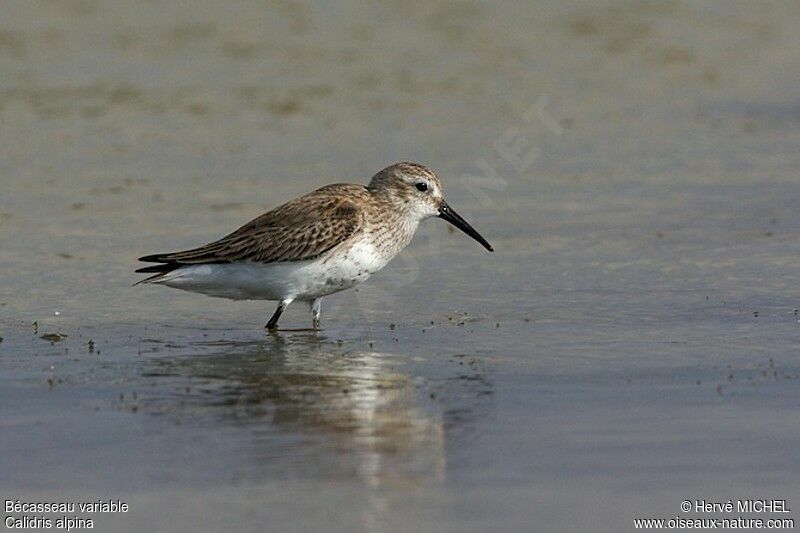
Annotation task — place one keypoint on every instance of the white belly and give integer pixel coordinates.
(300, 280)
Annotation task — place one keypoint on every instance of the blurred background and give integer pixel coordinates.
(631, 344)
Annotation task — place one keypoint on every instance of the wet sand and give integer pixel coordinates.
(632, 342)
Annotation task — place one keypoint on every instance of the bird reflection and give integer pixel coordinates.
(308, 406)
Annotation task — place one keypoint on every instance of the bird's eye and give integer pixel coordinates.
(421, 186)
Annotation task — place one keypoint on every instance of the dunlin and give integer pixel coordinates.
(327, 241)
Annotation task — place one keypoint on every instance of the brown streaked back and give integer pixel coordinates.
(301, 229)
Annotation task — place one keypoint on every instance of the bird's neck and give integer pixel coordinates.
(392, 224)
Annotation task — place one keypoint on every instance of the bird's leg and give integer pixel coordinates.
(316, 311)
(273, 322)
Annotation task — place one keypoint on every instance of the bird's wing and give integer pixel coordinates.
(302, 229)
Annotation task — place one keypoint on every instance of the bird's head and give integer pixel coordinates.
(417, 190)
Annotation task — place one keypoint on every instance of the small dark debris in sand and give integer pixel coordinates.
(497, 325)
(392, 326)
(285, 107)
(198, 109)
(230, 206)
(78, 206)
(53, 337)
(64, 255)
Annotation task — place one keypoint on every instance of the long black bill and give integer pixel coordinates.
(447, 213)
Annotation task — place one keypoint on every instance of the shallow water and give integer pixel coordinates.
(632, 343)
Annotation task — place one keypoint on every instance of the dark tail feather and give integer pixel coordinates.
(155, 258)
(159, 271)
(172, 261)
(148, 280)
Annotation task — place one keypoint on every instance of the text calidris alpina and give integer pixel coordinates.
(324, 242)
